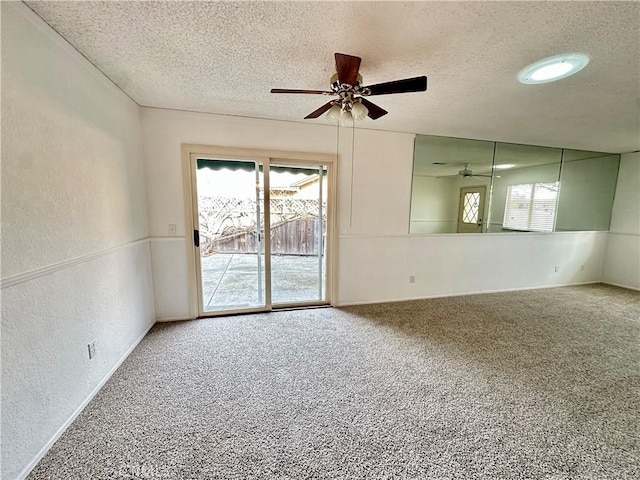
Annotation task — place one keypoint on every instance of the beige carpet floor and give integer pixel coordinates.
(541, 384)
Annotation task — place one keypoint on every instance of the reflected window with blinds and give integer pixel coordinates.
(531, 207)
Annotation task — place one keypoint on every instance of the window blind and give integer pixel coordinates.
(531, 207)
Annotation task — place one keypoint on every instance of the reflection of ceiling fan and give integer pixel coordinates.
(466, 172)
(346, 84)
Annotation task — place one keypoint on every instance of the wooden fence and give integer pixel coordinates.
(298, 236)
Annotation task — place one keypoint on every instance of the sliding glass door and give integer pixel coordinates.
(236, 201)
(230, 233)
(298, 214)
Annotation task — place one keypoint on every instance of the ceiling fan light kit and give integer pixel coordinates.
(346, 84)
(334, 113)
(553, 68)
(359, 111)
(346, 115)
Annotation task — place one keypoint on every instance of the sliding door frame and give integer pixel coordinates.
(190, 152)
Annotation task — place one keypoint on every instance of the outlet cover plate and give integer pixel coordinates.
(92, 350)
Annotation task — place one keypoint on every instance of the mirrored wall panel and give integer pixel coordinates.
(451, 184)
(588, 186)
(474, 186)
(525, 188)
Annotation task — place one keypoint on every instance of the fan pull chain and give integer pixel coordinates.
(353, 148)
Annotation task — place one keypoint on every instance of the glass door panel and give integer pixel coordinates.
(231, 232)
(298, 219)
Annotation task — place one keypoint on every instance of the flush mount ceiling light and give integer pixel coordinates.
(553, 68)
(504, 166)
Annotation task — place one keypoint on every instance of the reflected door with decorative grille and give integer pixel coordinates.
(471, 210)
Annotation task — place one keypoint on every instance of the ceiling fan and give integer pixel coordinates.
(466, 172)
(346, 84)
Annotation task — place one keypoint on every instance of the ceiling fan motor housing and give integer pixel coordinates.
(347, 93)
(334, 83)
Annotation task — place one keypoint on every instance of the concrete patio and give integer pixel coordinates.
(230, 281)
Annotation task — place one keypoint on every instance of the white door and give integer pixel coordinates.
(471, 209)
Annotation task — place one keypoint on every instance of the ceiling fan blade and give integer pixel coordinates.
(375, 111)
(320, 111)
(416, 84)
(290, 90)
(347, 67)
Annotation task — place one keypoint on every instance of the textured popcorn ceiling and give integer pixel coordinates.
(224, 57)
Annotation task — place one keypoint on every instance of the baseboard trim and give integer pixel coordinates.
(621, 286)
(72, 262)
(173, 319)
(463, 294)
(43, 451)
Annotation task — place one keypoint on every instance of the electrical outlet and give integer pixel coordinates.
(581, 268)
(412, 279)
(172, 229)
(92, 350)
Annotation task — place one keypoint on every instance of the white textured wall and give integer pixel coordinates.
(75, 253)
(377, 268)
(622, 263)
(376, 253)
